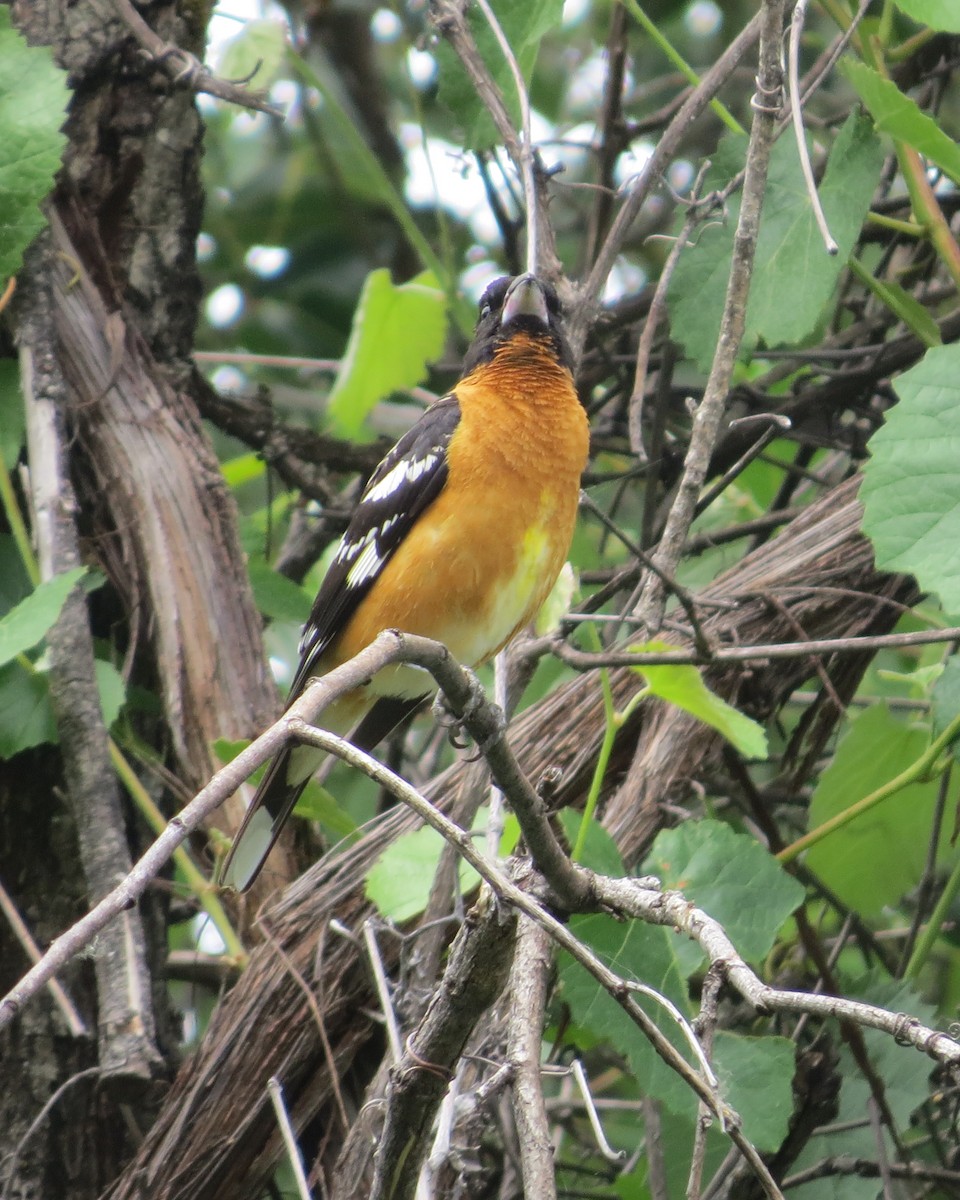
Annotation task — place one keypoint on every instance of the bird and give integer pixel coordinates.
(459, 535)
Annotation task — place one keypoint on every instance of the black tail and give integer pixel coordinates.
(272, 804)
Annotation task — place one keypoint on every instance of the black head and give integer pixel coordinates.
(512, 304)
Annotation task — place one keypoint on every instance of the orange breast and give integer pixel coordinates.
(482, 559)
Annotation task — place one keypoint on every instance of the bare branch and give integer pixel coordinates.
(528, 994)
(184, 68)
(793, 79)
(710, 411)
(582, 310)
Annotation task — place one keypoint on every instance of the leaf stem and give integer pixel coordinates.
(612, 722)
(934, 926)
(199, 885)
(915, 773)
(15, 520)
(677, 59)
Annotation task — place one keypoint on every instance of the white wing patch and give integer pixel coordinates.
(405, 472)
(368, 564)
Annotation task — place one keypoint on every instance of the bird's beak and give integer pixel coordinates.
(525, 299)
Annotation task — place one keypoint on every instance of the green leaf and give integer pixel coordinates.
(26, 718)
(600, 851)
(641, 952)
(790, 254)
(684, 687)
(905, 1077)
(525, 25)
(879, 857)
(317, 804)
(937, 14)
(255, 54)
(112, 689)
(243, 469)
(729, 875)
(276, 596)
(756, 1079)
(397, 330)
(911, 487)
(399, 882)
(33, 102)
(26, 624)
(898, 115)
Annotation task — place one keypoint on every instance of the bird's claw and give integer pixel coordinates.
(457, 724)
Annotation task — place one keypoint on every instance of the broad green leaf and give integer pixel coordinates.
(399, 882)
(397, 330)
(276, 596)
(756, 1079)
(911, 486)
(684, 687)
(734, 879)
(898, 115)
(112, 689)
(255, 54)
(641, 952)
(938, 14)
(730, 876)
(26, 624)
(26, 718)
(524, 25)
(600, 851)
(790, 258)
(317, 804)
(12, 415)
(876, 859)
(905, 1075)
(33, 101)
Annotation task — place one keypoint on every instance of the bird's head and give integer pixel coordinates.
(512, 305)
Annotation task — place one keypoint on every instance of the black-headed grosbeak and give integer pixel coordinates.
(459, 536)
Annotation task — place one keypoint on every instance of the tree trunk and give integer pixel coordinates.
(111, 341)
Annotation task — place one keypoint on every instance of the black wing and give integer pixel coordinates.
(407, 480)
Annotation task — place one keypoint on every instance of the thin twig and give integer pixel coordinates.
(583, 1086)
(710, 411)
(583, 661)
(581, 311)
(184, 68)
(383, 991)
(75, 1023)
(696, 214)
(289, 1137)
(793, 82)
(10, 1163)
(527, 161)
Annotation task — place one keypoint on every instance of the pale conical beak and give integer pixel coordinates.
(525, 298)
